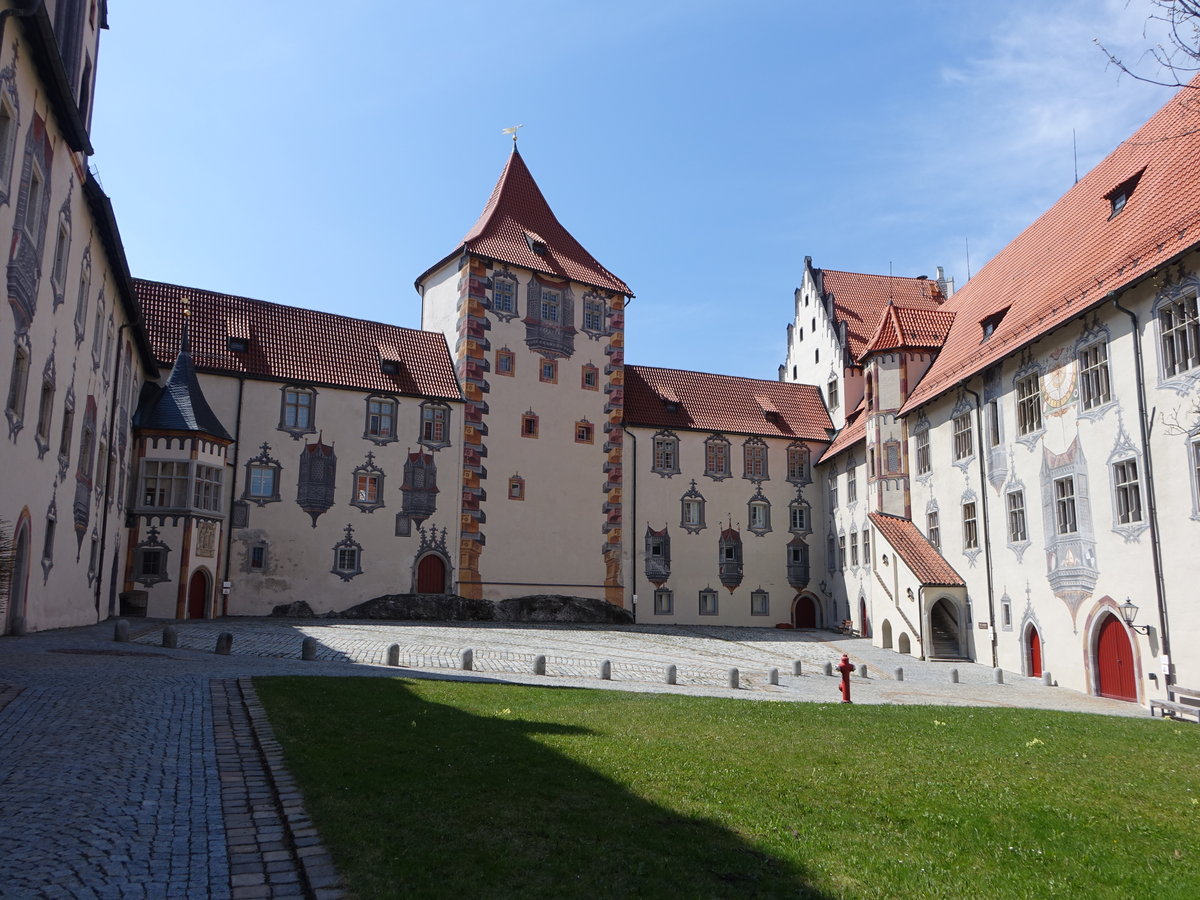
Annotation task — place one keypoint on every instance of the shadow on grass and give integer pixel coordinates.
(420, 798)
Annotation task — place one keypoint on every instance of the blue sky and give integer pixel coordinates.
(325, 154)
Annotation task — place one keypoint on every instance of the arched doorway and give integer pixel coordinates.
(865, 630)
(1033, 652)
(20, 576)
(197, 604)
(431, 575)
(886, 633)
(903, 645)
(804, 612)
(1114, 661)
(944, 631)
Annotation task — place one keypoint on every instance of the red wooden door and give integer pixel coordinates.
(1114, 662)
(1035, 654)
(197, 596)
(806, 613)
(866, 623)
(431, 575)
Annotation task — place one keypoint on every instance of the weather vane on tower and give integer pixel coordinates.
(513, 131)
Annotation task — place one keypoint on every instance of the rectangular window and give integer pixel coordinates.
(692, 512)
(381, 418)
(8, 137)
(866, 547)
(152, 562)
(964, 438)
(993, 419)
(58, 272)
(549, 371)
(1029, 404)
(832, 393)
(366, 488)
(760, 516)
(708, 603)
(550, 305)
(48, 544)
(64, 440)
(841, 551)
(933, 530)
(258, 557)
(1180, 330)
(206, 494)
(755, 455)
(1017, 532)
(892, 456)
(503, 294)
(760, 603)
(529, 425)
(1064, 505)
(81, 304)
(970, 527)
(584, 433)
(297, 408)
(262, 481)
(665, 450)
(797, 461)
(45, 413)
(798, 519)
(664, 602)
(506, 362)
(1129, 495)
(347, 559)
(1094, 387)
(851, 485)
(516, 488)
(164, 484)
(716, 457)
(854, 548)
(33, 208)
(434, 420)
(923, 464)
(18, 383)
(590, 378)
(593, 315)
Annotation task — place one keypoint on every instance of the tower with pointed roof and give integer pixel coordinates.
(536, 324)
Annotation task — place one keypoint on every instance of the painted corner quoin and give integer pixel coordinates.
(471, 351)
(614, 409)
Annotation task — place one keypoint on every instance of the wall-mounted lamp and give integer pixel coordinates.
(1129, 611)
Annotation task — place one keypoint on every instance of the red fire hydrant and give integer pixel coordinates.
(845, 667)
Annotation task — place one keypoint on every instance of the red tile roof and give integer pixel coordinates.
(286, 343)
(859, 301)
(516, 216)
(724, 403)
(916, 551)
(852, 432)
(911, 329)
(1076, 253)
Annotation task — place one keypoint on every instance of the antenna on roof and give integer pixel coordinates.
(967, 242)
(513, 131)
(1075, 153)
(890, 277)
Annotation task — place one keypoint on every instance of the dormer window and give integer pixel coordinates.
(238, 345)
(992, 322)
(536, 244)
(389, 367)
(1119, 196)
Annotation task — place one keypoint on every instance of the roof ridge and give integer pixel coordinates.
(719, 375)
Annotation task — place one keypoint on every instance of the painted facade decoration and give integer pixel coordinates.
(29, 224)
(317, 479)
(420, 488)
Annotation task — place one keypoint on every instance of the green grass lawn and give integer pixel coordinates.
(431, 788)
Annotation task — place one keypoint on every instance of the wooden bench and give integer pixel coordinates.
(848, 628)
(1174, 709)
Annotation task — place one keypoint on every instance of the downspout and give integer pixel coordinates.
(112, 436)
(987, 531)
(237, 452)
(633, 518)
(1151, 503)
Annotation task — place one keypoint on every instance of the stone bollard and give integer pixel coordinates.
(170, 637)
(796, 668)
(773, 676)
(224, 643)
(828, 668)
(393, 657)
(899, 673)
(606, 670)
(954, 676)
(308, 648)
(998, 675)
(121, 631)
(468, 660)
(733, 678)
(670, 675)
(19, 627)
(1047, 680)
(862, 670)
(539, 665)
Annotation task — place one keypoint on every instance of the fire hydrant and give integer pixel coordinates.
(845, 667)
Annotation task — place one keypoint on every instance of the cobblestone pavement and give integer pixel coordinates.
(130, 770)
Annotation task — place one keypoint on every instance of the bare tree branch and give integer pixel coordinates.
(1179, 56)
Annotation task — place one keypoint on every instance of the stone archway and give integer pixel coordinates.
(19, 585)
(903, 645)
(945, 630)
(1033, 652)
(1114, 661)
(864, 619)
(805, 612)
(885, 633)
(431, 574)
